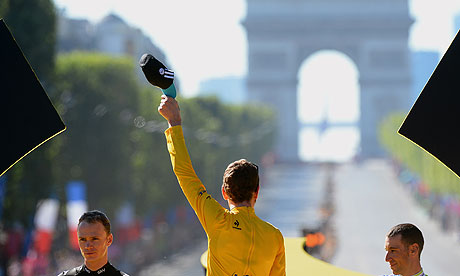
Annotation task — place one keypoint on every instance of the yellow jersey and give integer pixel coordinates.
(239, 242)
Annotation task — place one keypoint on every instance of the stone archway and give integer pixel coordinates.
(374, 34)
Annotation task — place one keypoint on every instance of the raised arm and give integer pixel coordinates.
(208, 210)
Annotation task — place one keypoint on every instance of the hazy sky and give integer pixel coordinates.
(204, 38)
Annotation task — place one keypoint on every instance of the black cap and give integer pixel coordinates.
(433, 123)
(27, 116)
(155, 72)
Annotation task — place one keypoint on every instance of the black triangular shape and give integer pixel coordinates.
(433, 123)
(27, 116)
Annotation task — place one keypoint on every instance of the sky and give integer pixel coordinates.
(204, 39)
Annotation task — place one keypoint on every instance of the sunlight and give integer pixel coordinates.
(328, 107)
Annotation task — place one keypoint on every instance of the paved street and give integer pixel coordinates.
(370, 201)
(290, 197)
(186, 262)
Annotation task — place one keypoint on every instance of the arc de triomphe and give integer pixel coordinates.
(372, 33)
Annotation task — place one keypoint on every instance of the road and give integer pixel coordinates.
(290, 197)
(369, 201)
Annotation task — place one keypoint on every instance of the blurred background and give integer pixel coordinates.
(313, 91)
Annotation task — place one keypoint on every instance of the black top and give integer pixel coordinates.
(107, 270)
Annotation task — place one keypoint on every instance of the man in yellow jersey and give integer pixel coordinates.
(239, 243)
(404, 244)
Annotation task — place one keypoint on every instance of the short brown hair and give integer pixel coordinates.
(410, 234)
(241, 180)
(94, 217)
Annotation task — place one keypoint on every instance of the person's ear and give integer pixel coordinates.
(224, 194)
(109, 239)
(414, 249)
(256, 193)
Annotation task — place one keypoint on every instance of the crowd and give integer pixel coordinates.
(442, 208)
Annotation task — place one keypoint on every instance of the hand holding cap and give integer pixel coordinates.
(157, 74)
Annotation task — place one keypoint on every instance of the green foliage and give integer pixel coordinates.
(115, 143)
(218, 134)
(33, 24)
(153, 183)
(435, 174)
(97, 96)
(28, 182)
(3, 7)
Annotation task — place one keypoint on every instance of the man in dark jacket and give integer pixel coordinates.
(94, 239)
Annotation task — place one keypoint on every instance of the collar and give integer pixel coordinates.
(241, 209)
(420, 273)
(101, 271)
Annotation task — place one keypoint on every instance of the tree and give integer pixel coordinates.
(97, 96)
(433, 173)
(114, 140)
(3, 7)
(216, 135)
(33, 24)
(153, 184)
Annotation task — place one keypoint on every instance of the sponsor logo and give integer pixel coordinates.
(168, 74)
(101, 271)
(236, 225)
